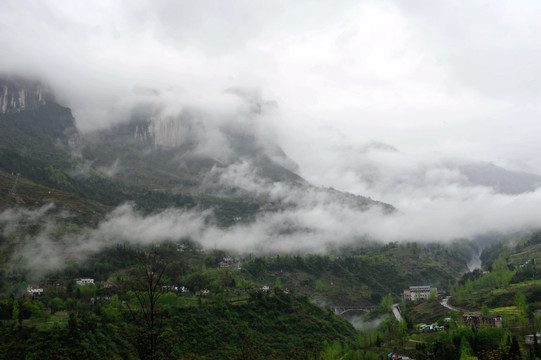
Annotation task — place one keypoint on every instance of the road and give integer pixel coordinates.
(445, 303)
(396, 311)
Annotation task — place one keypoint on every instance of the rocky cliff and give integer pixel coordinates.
(32, 121)
(18, 94)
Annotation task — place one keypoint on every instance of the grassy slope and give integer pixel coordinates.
(29, 194)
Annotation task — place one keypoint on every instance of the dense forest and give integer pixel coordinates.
(177, 301)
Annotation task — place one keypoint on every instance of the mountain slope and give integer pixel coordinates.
(133, 162)
(500, 179)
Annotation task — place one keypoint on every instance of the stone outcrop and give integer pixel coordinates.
(29, 104)
(18, 94)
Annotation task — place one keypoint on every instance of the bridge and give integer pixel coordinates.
(340, 310)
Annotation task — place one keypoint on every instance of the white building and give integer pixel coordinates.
(34, 291)
(529, 339)
(169, 288)
(84, 281)
(419, 293)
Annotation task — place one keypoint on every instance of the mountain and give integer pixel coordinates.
(135, 147)
(383, 167)
(19, 94)
(152, 158)
(500, 179)
(33, 124)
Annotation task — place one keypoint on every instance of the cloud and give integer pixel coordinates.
(435, 197)
(359, 323)
(304, 220)
(457, 77)
(13, 219)
(52, 246)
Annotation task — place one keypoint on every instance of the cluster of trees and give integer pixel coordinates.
(486, 343)
(141, 321)
(152, 326)
(135, 319)
(499, 277)
(363, 275)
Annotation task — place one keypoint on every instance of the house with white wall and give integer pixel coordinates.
(423, 292)
(84, 281)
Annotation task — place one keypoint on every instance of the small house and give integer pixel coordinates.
(169, 288)
(34, 291)
(84, 281)
(486, 320)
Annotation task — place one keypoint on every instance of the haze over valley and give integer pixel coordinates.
(342, 152)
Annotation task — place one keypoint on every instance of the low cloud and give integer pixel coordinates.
(435, 197)
(307, 220)
(461, 79)
(52, 246)
(359, 323)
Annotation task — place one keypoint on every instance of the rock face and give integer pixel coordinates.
(30, 115)
(159, 131)
(168, 132)
(17, 95)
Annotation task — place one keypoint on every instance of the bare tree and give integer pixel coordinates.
(146, 285)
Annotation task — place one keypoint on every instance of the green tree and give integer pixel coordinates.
(468, 286)
(17, 313)
(465, 349)
(278, 283)
(514, 351)
(387, 303)
(73, 325)
(56, 305)
(520, 302)
(402, 331)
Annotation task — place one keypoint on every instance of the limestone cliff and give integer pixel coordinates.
(30, 118)
(17, 94)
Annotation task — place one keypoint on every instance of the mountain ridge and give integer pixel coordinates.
(128, 163)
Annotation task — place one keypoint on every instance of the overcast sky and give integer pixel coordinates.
(443, 77)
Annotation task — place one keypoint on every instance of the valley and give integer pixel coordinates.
(191, 251)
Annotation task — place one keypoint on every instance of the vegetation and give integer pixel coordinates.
(148, 323)
(236, 319)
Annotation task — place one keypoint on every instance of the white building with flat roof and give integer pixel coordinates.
(419, 293)
(83, 282)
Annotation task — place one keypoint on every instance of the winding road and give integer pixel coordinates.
(396, 311)
(445, 303)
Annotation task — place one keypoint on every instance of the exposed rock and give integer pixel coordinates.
(18, 94)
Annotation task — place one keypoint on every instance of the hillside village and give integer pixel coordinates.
(424, 319)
